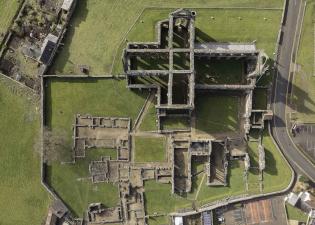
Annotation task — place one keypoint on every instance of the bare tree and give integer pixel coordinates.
(54, 145)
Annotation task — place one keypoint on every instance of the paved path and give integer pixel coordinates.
(286, 51)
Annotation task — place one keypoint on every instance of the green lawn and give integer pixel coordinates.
(7, 11)
(98, 97)
(275, 166)
(148, 149)
(175, 123)
(219, 71)
(149, 121)
(79, 194)
(82, 46)
(260, 99)
(304, 79)
(295, 213)
(277, 174)
(216, 114)
(23, 200)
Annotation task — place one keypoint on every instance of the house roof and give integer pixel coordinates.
(48, 47)
(293, 199)
(178, 220)
(66, 5)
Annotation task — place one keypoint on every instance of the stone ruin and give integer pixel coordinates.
(101, 132)
(176, 86)
(212, 153)
(97, 213)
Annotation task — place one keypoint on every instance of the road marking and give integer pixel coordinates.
(314, 51)
(274, 107)
(294, 66)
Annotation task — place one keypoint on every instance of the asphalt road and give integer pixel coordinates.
(278, 125)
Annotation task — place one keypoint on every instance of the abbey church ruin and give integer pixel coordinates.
(172, 72)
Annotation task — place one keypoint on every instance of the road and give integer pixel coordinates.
(280, 88)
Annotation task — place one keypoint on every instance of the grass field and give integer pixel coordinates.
(82, 46)
(275, 166)
(304, 79)
(219, 71)
(98, 97)
(149, 149)
(208, 109)
(149, 121)
(175, 123)
(7, 11)
(23, 200)
(79, 194)
(295, 213)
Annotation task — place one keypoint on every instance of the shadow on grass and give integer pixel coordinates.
(217, 111)
(271, 167)
(202, 37)
(283, 85)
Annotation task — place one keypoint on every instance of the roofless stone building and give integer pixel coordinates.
(168, 66)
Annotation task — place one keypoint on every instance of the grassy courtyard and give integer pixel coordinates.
(78, 194)
(23, 200)
(149, 121)
(295, 213)
(150, 149)
(83, 46)
(7, 11)
(219, 71)
(304, 79)
(216, 114)
(98, 97)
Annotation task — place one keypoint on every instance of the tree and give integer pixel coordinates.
(54, 145)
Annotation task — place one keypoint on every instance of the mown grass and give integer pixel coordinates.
(175, 123)
(98, 97)
(219, 71)
(78, 194)
(277, 174)
(295, 213)
(90, 42)
(276, 167)
(23, 200)
(7, 11)
(149, 121)
(215, 114)
(149, 149)
(304, 79)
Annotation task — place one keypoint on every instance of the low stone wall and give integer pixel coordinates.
(280, 33)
